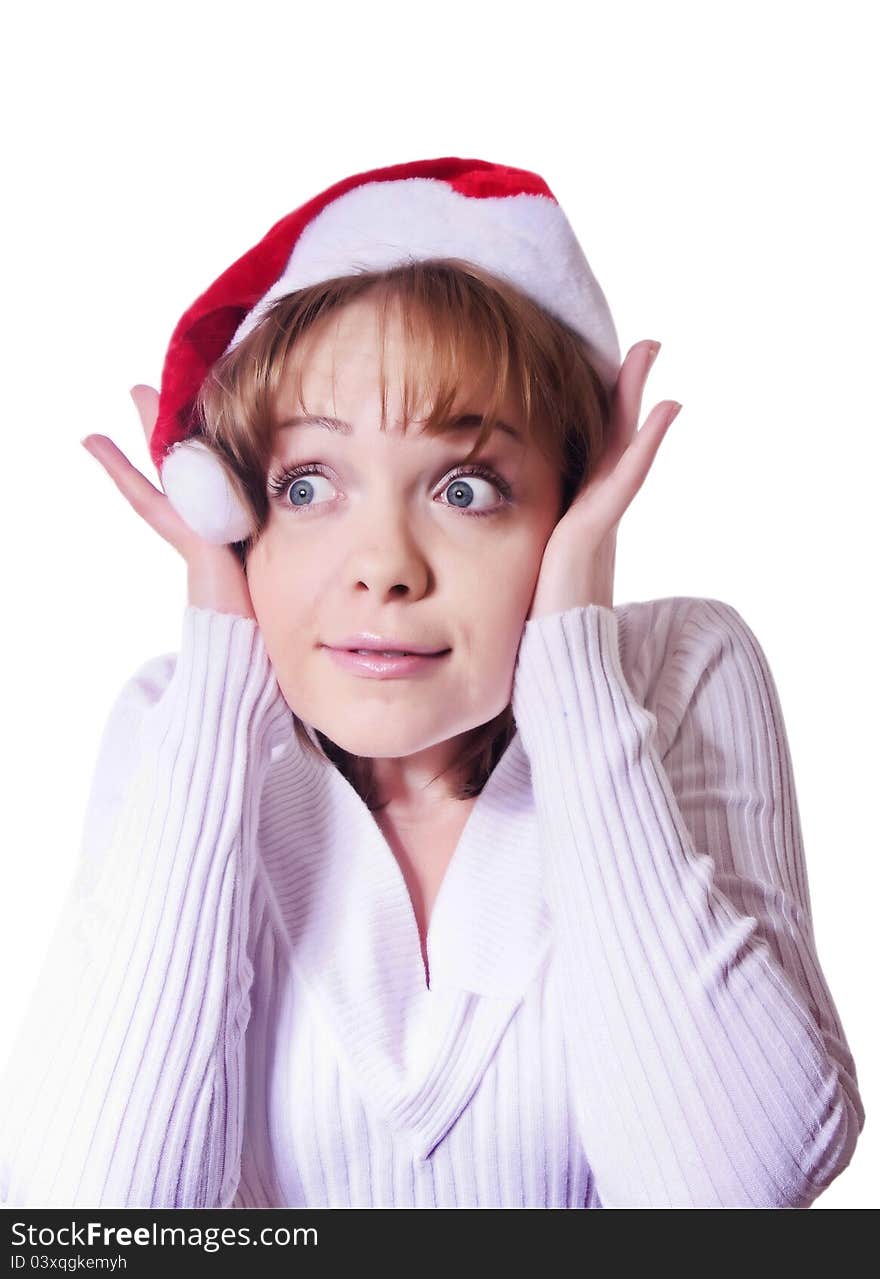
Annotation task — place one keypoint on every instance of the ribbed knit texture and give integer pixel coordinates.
(625, 1009)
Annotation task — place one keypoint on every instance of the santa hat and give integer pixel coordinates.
(504, 219)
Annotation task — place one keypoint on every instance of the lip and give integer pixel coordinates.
(369, 639)
(374, 666)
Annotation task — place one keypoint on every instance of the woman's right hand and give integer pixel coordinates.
(215, 576)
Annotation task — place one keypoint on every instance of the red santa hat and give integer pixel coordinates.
(504, 219)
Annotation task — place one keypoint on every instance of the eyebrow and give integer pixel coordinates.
(465, 422)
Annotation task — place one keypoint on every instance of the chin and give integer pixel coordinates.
(373, 745)
(375, 739)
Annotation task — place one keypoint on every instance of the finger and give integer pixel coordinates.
(630, 386)
(149, 502)
(610, 498)
(146, 401)
(639, 457)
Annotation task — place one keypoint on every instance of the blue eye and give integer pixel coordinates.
(458, 485)
(292, 489)
(294, 485)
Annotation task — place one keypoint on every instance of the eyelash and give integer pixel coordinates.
(281, 482)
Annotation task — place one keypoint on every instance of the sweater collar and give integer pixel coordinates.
(343, 908)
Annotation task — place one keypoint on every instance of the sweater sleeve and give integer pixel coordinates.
(711, 1066)
(125, 1085)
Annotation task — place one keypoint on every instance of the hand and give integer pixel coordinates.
(215, 576)
(578, 563)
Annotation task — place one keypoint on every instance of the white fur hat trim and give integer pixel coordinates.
(198, 486)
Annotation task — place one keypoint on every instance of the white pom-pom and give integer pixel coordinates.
(198, 486)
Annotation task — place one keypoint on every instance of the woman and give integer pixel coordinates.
(519, 920)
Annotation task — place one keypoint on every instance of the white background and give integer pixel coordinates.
(718, 164)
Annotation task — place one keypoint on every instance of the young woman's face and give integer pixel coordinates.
(383, 538)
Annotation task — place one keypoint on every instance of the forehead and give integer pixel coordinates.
(463, 426)
(336, 374)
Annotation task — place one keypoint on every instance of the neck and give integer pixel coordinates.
(419, 786)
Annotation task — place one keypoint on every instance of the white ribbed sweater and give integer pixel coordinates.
(626, 1007)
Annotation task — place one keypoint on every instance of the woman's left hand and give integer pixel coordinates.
(578, 564)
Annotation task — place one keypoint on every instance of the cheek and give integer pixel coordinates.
(284, 589)
(519, 563)
(491, 623)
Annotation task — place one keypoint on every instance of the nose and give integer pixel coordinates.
(386, 557)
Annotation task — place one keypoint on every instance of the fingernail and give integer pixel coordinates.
(652, 351)
(674, 414)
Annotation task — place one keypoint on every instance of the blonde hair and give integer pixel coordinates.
(457, 318)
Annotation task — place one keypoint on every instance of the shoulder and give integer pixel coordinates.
(673, 646)
(648, 630)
